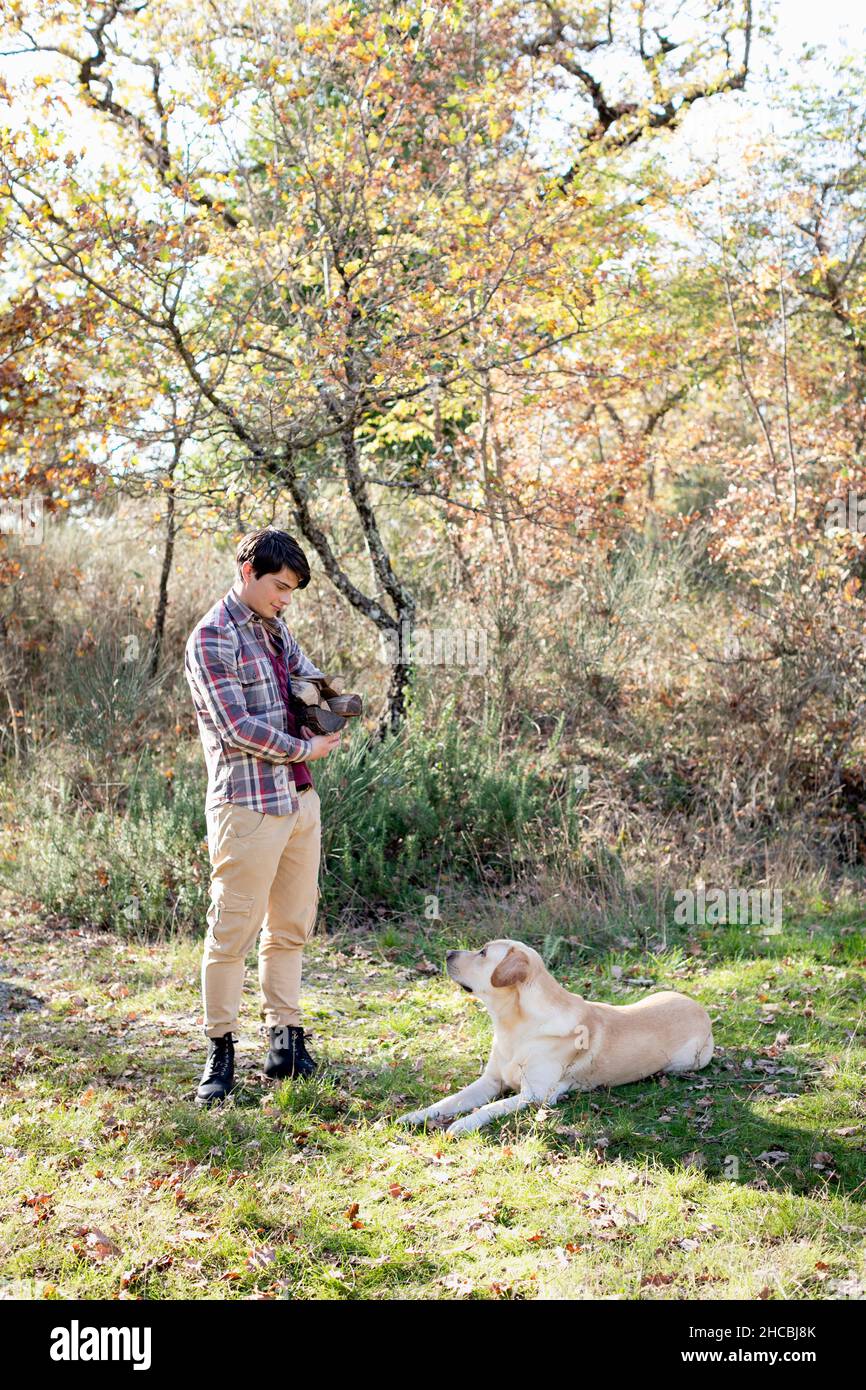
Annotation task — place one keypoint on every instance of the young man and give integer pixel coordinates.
(262, 810)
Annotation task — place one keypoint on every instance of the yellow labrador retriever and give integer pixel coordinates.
(547, 1041)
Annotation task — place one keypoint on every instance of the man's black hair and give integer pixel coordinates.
(270, 550)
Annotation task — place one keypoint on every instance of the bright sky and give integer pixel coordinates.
(801, 25)
(721, 127)
(811, 39)
(836, 20)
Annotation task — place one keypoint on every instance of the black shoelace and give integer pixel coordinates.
(219, 1061)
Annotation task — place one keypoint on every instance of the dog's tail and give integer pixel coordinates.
(706, 1051)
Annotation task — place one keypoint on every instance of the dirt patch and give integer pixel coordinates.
(14, 999)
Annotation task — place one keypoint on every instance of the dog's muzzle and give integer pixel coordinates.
(448, 958)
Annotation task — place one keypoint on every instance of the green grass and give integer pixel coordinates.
(309, 1190)
(126, 849)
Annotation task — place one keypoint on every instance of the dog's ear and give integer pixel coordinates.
(513, 969)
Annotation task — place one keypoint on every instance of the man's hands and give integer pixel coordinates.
(323, 744)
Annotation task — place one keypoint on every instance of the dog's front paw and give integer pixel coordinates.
(412, 1117)
(460, 1127)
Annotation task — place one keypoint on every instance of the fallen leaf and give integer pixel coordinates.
(132, 1276)
(96, 1246)
(262, 1257)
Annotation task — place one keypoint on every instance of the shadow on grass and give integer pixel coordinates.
(709, 1119)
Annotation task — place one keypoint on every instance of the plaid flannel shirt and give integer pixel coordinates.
(241, 716)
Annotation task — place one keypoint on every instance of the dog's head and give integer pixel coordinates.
(498, 966)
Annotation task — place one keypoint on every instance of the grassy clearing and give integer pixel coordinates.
(743, 1181)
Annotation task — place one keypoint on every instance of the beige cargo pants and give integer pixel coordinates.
(264, 869)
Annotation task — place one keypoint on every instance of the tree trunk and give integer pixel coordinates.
(156, 642)
(394, 711)
(391, 628)
(7, 676)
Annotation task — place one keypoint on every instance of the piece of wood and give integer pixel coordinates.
(350, 706)
(331, 687)
(306, 691)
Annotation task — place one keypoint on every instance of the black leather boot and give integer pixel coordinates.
(287, 1055)
(218, 1076)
